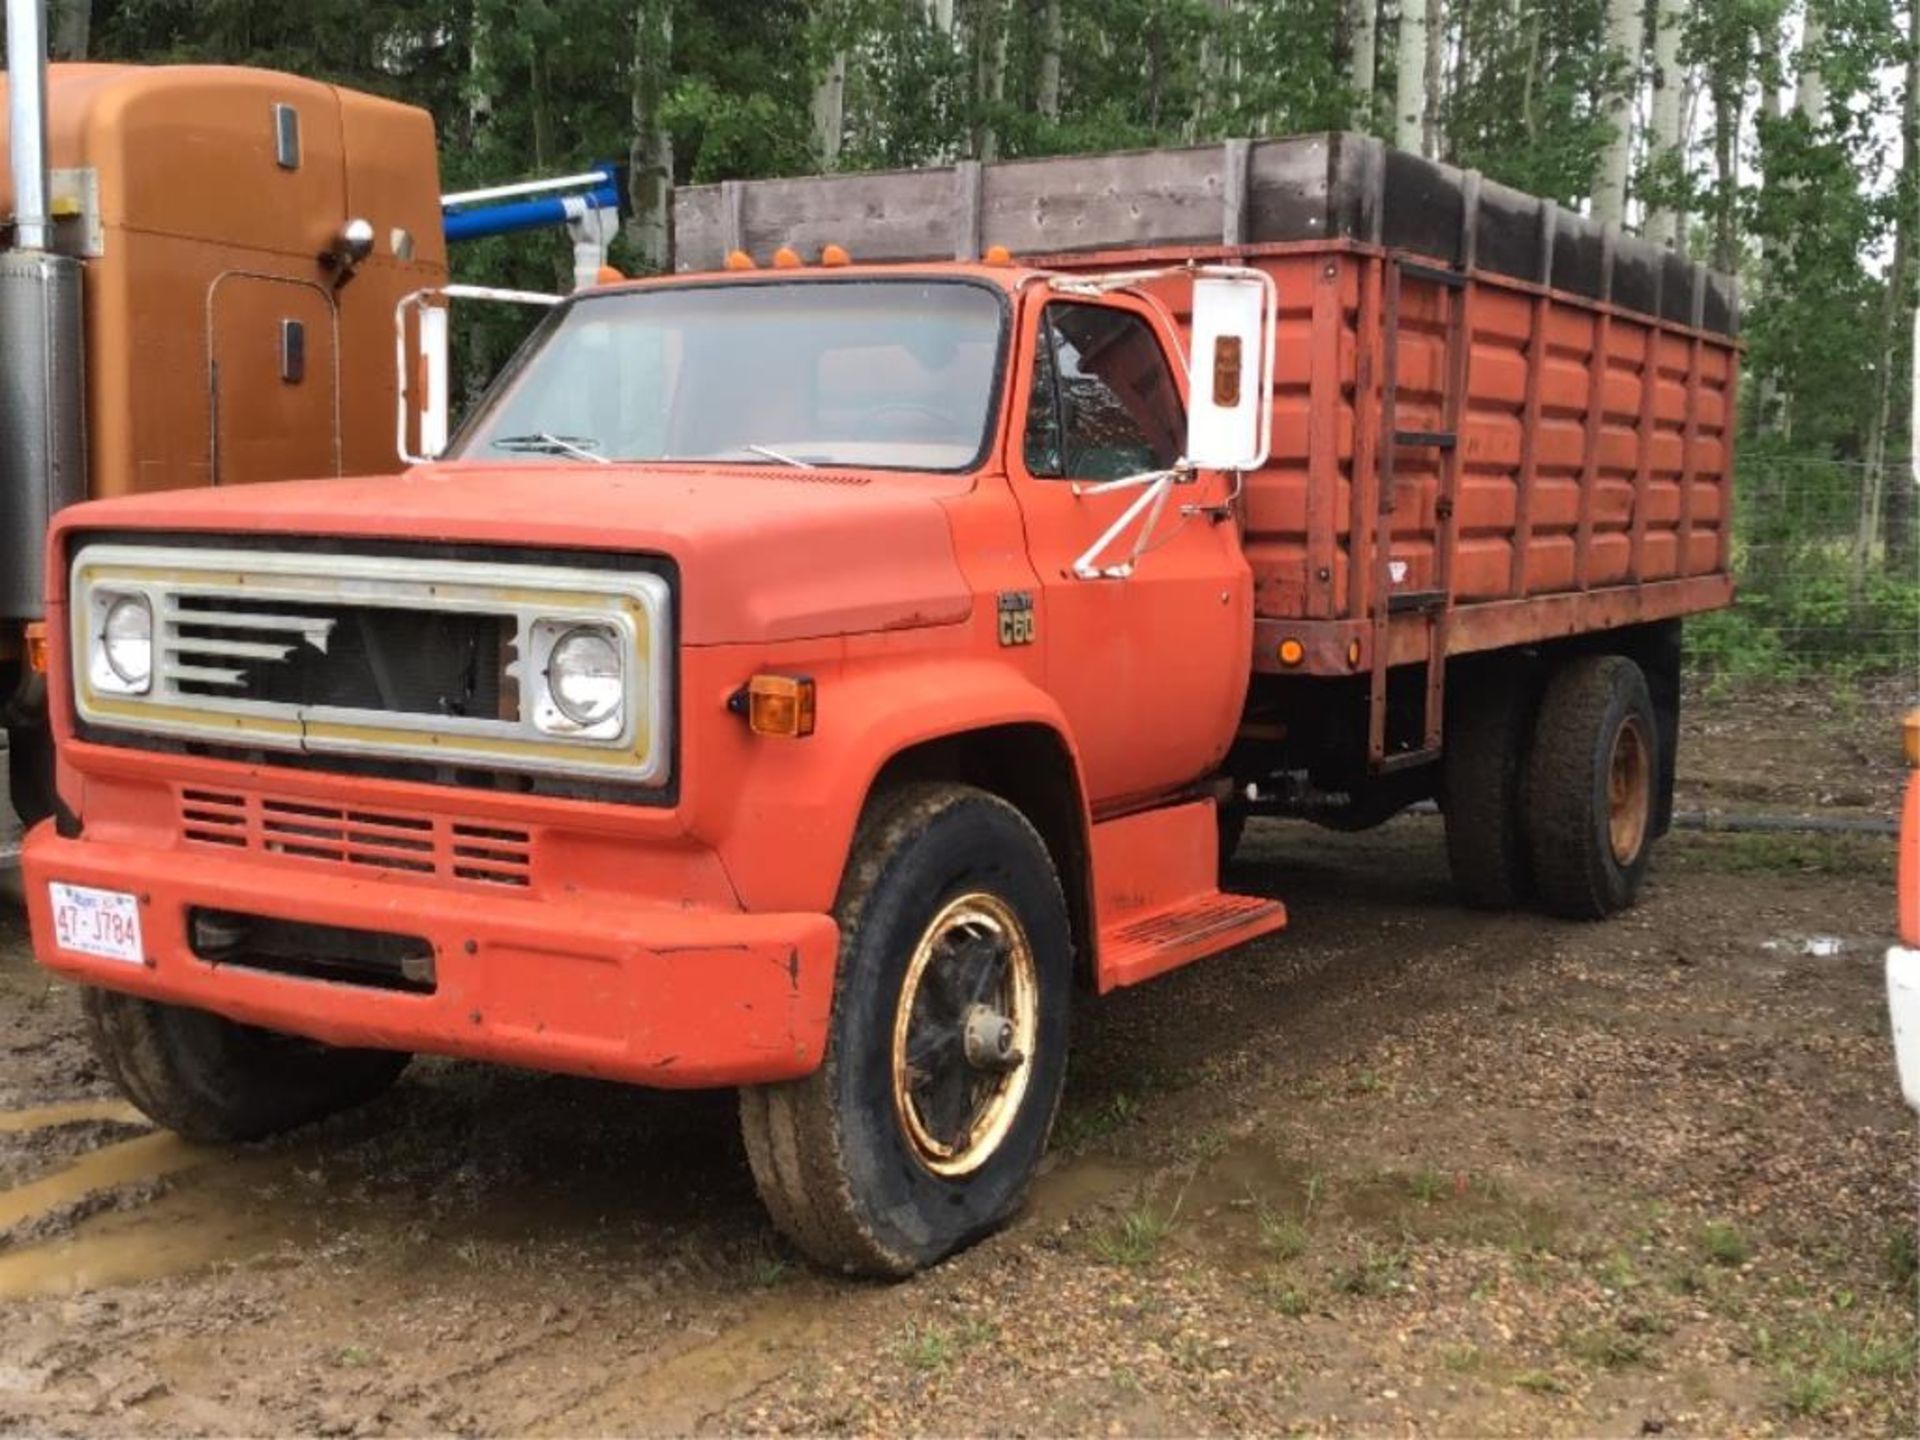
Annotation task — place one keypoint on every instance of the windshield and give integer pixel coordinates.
(896, 374)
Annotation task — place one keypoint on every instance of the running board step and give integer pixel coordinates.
(1143, 946)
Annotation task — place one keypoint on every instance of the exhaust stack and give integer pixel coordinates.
(43, 434)
(27, 115)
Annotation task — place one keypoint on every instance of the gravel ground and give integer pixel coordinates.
(1404, 1168)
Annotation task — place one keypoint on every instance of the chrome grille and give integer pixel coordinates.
(383, 658)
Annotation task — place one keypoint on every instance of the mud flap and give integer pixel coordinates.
(10, 826)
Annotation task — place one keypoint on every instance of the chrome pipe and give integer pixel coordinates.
(27, 114)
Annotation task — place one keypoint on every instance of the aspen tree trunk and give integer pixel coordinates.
(650, 181)
(1689, 113)
(1726, 132)
(72, 27)
(480, 72)
(1365, 21)
(1432, 125)
(1410, 79)
(830, 112)
(1052, 37)
(1217, 64)
(989, 46)
(1624, 40)
(1810, 91)
(1894, 312)
(1663, 146)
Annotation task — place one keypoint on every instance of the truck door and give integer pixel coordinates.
(1151, 670)
(274, 379)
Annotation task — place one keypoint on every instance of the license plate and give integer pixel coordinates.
(105, 923)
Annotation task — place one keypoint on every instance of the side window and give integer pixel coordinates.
(1104, 403)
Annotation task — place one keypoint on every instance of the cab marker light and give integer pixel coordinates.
(1292, 652)
(835, 256)
(997, 255)
(786, 258)
(776, 705)
(740, 260)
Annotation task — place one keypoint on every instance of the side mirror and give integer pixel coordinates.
(423, 379)
(1230, 385)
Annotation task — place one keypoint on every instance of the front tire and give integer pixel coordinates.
(922, 1129)
(214, 1080)
(1591, 787)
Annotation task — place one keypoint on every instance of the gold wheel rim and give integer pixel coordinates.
(956, 1099)
(1629, 791)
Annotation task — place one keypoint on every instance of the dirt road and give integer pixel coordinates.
(1404, 1168)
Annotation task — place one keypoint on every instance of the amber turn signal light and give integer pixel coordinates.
(1910, 738)
(780, 705)
(37, 650)
(1292, 652)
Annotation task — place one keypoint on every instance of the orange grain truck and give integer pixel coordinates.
(198, 290)
(801, 672)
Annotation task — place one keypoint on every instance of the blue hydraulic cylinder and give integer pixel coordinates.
(478, 222)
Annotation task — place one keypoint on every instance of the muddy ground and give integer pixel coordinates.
(1403, 1168)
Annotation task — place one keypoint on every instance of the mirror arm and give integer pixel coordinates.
(1223, 511)
(1154, 486)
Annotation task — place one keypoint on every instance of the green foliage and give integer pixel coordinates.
(1725, 1244)
(1805, 207)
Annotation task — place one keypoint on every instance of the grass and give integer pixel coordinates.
(1135, 1238)
(1281, 1236)
(1462, 1359)
(1288, 1298)
(932, 1347)
(1606, 1347)
(1767, 853)
(1378, 1272)
(1082, 1125)
(1725, 1244)
(1617, 1273)
(1428, 1185)
(1814, 1364)
(1539, 1382)
(1903, 1259)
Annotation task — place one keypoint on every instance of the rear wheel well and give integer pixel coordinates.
(1030, 767)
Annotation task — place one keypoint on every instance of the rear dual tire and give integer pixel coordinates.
(1592, 776)
(1551, 797)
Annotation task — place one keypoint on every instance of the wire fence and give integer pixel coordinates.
(1819, 594)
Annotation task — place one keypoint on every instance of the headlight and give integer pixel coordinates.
(585, 677)
(123, 643)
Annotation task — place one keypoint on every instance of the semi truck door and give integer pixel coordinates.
(1151, 669)
(273, 381)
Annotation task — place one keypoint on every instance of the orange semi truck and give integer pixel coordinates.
(803, 675)
(198, 290)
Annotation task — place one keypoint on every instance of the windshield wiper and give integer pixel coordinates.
(540, 442)
(773, 454)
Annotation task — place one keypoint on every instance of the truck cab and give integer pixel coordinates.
(741, 651)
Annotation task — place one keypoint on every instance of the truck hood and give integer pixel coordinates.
(764, 554)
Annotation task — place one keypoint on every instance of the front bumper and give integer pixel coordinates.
(646, 992)
(1903, 1005)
